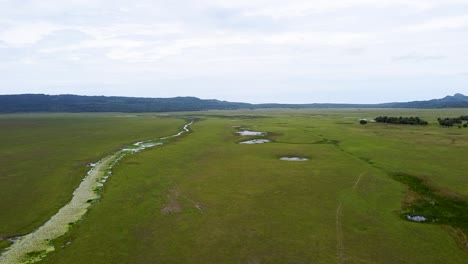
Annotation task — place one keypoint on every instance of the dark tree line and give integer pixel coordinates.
(449, 122)
(401, 120)
(73, 103)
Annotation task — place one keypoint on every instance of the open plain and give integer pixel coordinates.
(205, 198)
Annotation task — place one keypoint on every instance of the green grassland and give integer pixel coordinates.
(204, 198)
(43, 158)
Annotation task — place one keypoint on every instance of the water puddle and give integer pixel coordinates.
(251, 133)
(255, 141)
(416, 218)
(294, 159)
(35, 246)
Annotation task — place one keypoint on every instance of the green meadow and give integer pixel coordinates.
(204, 198)
(43, 158)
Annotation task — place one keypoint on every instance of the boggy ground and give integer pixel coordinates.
(43, 158)
(204, 198)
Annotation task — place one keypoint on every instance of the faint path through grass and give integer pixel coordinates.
(435, 206)
(339, 226)
(339, 235)
(357, 181)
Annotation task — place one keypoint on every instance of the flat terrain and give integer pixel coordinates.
(43, 158)
(204, 198)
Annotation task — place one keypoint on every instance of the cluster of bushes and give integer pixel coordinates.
(401, 120)
(445, 122)
(449, 122)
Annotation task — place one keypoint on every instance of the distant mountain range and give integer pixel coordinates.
(76, 103)
(455, 101)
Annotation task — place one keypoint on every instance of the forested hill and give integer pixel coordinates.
(456, 101)
(75, 103)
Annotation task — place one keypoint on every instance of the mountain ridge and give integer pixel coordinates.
(16, 103)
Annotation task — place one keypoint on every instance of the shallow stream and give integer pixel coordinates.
(33, 247)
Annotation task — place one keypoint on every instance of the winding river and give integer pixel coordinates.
(33, 247)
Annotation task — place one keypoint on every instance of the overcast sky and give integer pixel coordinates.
(294, 51)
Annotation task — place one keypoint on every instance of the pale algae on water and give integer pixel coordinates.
(251, 133)
(294, 159)
(35, 246)
(255, 141)
(38, 241)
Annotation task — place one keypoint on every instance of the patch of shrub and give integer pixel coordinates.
(401, 120)
(449, 122)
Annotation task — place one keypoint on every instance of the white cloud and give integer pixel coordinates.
(444, 23)
(310, 39)
(27, 34)
(154, 51)
(126, 29)
(414, 57)
(270, 44)
(287, 9)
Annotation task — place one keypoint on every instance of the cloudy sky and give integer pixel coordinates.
(295, 51)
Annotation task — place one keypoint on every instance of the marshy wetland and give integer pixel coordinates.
(374, 193)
